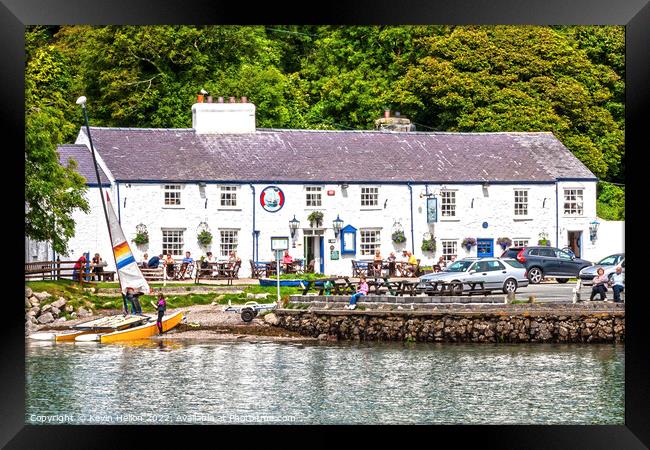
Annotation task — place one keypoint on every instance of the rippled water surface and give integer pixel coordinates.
(325, 383)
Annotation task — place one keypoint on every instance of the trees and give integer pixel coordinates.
(52, 190)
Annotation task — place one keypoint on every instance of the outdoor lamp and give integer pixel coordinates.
(293, 225)
(593, 229)
(337, 224)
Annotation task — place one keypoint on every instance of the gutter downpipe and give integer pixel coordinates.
(557, 218)
(119, 207)
(411, 195)
(254, 233)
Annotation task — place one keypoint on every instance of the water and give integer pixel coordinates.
(324, 383)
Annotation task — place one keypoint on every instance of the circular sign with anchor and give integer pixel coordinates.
(272, 199)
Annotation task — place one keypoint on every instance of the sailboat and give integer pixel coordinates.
(119, 327)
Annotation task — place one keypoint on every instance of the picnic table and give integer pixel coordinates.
(372, 268)
(432, 287)
(340, 285)
(218, 270)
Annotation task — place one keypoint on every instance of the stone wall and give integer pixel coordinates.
(518, 324)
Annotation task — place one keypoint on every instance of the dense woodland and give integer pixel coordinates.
(568, 80)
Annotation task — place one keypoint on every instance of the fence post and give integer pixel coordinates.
(58, 268)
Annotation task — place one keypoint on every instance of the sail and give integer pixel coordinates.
(128, 271)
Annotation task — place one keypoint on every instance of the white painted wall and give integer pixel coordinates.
(143, 203)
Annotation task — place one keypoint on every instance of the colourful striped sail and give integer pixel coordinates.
(128, 271)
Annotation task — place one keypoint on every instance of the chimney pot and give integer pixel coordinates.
(231, 99)
(199, 98)
(387, 113)
(209, 99)
(220, 100)
(244, 99)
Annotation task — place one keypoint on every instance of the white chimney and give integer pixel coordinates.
(223, 118)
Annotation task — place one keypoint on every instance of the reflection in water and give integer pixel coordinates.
(165, 381)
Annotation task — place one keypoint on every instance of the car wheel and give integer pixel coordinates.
(562, 280)
(510, 285)
(247, 314)
(535, 275)
(456, 288)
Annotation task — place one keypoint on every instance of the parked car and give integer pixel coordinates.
(497, 274)
(549, 262)
(608, 264)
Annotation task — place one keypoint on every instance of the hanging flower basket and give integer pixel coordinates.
(468, 243)
(398, 237)
(504, 242)
(316, 217)
(543, 239)
(428, 245)
(141, 238)
(204, 238)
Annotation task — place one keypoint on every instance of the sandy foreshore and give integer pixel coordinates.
(205, 322)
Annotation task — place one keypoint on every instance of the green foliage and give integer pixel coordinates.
(141, 238)
(428, 245)
(204, 238)
(611, 202)
(315, 217)
(398, 237)
(565, 79)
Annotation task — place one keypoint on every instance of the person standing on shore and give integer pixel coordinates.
(361, 291)
(132, 297)
(618, 283)
(161, 307)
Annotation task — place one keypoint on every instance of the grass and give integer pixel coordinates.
(76, 296)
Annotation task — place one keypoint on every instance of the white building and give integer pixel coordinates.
(245, 185)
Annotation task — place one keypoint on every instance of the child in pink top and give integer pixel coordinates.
(361, 291)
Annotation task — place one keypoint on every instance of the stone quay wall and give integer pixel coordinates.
(462, 323)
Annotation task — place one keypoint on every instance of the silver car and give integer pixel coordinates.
(609, 264)
(505, 274)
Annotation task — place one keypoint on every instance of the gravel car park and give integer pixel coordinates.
(505, 275)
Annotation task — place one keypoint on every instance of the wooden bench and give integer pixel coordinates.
(150, 274)
(340, 285)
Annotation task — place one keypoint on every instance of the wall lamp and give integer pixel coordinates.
(337, 224)
(293, 225)
(593, 230)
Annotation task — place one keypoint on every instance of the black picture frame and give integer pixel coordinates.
(634, 14)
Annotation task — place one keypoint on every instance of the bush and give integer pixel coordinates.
(398, 237)
(428, 245)
(204, 238)
(141, 238)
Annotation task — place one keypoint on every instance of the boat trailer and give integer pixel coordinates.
(249, 310)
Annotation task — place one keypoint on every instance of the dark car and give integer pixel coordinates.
(550, 262)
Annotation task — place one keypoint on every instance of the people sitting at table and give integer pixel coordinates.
(185, 265)
(145, 260)
(412, 264)
(98, 265)
(169, 265)
(377, 263)
(78, 267)
(391, 264)
(442, 265)
(287, 261)
(154, 262)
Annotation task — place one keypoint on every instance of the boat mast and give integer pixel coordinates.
(82, 101)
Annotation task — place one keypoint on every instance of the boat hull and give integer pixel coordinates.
(272, 282)
(143, 331)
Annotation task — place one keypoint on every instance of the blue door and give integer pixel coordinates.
(484, 248)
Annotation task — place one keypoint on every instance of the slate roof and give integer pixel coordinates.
(81, 154)
(274, 155)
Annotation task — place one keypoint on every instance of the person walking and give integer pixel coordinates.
(361, 291)
(161, 307)
(600, 285)
(618, 283)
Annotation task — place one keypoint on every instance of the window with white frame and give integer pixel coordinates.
(448, 203)
(520, 242)
(228, 242)
(313, 196)
(449, 249)
(369, 196)
(228, 196)
(172, 196)
(370, 241)
(573, 202)
(172, 242)
(521, 202)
